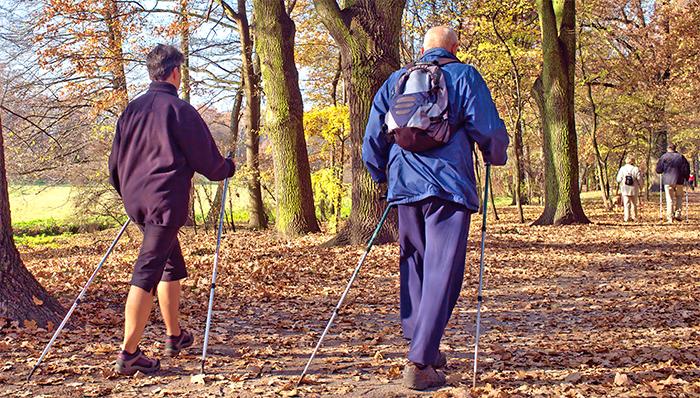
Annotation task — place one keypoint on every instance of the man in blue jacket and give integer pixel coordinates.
(436, 194)
(160, 142)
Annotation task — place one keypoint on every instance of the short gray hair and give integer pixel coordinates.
(162, 60)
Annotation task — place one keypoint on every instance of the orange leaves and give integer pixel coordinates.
(595, 310)
(29, 324)
(37, 301)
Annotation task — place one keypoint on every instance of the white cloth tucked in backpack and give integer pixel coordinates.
(633, 171)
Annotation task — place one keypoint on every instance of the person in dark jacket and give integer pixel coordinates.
(436, 194)
(160, 142)
(676, 170)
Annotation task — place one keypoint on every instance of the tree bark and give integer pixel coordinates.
(554, 92)
(21, 296)
(368, 34)
(518, 178)
(235, 118)
(274, 42)
(251, 85)
(186, 89)
(115, 53)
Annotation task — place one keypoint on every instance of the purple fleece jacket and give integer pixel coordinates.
(160, 142)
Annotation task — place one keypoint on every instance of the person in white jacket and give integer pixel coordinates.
(630, 179)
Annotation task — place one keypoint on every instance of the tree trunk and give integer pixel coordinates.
(185, 48)
(251, 83)
(519, 189)
(115, 53)
(186, 89)
(274, 42)
(555, 96)
(368, 34)
(21, 297)
(493, 201)
(235, 118)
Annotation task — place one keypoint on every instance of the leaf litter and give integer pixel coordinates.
(607, 309)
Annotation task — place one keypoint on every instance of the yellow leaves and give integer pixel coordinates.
(330, 123)
(37, 301)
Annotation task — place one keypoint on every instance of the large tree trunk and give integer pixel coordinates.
(554, 92)
(368, 34)
(274, 42)
(21, 296)
(251, 85)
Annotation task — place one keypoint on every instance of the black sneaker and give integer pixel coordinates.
(175, 344)
(128, 364)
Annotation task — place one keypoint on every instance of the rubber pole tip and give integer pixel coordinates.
(29, 377)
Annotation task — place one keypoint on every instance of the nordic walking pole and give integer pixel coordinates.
(77, 300)
(222, 213)
(345, 293)
(479, 298)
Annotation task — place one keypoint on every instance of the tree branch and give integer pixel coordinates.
(334, 19)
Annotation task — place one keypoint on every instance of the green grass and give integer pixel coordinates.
(42, 240)
(40, 210)
(29, 203)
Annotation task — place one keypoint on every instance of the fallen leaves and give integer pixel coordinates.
(621, 379)
(573, 377)
(198, 379)
(572, 311)
(29, 324)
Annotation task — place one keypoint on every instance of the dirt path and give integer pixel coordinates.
(599, 310)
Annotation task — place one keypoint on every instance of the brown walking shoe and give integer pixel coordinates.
(416, 378)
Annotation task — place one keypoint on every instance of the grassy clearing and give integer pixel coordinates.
(42, 214)
(29, 203)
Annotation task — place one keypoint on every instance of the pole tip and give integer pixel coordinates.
(301, 378)
(29, 377)
(201, 369)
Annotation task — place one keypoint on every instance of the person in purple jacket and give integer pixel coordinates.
(436, 193)
(160, 142)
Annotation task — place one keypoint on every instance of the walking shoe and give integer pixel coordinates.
(416, 378)
(442, 360)
(175, 344)
(128, 364)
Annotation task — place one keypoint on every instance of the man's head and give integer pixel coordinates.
(671, 148)
(629, 160)
(163, 63)
(441, 37)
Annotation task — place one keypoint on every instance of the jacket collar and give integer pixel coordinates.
(435, 53)
(163, 87)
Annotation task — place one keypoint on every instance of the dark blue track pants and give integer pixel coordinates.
(433, 236)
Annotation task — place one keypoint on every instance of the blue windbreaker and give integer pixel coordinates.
(446, 171)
